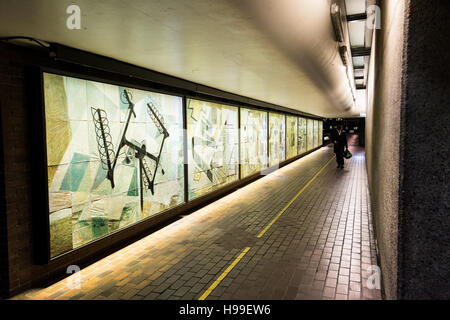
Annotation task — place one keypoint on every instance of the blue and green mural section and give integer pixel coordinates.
(213, 146)
(83, 205)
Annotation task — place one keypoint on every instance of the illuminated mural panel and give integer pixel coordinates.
(253, 141)
(302, 136)
(277, 138)
(114, 157)
(310, 130)
(291, 137)
(320, 132)
(212, 146)
(316, 133)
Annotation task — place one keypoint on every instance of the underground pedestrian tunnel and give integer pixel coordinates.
(186, 150)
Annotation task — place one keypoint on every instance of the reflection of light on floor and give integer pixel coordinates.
(167, 237)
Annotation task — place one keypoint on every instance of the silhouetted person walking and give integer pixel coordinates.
(339, 139)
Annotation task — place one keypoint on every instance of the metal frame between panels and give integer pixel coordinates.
(185, 153)
(41, 216)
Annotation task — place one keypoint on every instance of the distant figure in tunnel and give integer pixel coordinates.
(339, 139)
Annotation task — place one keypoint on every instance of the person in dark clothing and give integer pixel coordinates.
(339, 139)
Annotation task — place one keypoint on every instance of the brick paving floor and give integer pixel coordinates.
(319, 248)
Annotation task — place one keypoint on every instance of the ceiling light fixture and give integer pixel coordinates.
(337, 22)
(338, 15)
(343, 53)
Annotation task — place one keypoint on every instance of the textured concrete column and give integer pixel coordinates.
(4, 269)
(408, 147)
(424, 239)
(383, 135)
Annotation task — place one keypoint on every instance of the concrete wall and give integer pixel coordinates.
(17, 191)
(4, 274)
(407, 148)
(424, 239)
(383, 135)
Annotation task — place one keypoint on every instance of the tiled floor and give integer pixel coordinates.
(320, 247)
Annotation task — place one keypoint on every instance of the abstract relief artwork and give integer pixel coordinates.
(291, 137)
(253, 141)
(310, 130)
(277, 136)
(213, 146)
(302, 136)
(114, 157)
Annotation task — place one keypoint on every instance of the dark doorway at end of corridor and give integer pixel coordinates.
(350, 125)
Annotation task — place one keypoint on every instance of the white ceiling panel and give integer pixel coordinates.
(357, 31)
(279, 51)
(355, 6)
(358, 61)
(359, 72)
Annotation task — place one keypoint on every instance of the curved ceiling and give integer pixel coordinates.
(279, 51)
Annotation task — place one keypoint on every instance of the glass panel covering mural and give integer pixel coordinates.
(277, 138)
(316, 133)
(320, 132)
(114, 156)
(291, 137)
(212, 146)
(302, 136)
(310, 129)
(253, 141)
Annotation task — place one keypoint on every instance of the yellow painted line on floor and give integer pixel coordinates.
(293, 199)
(223, 275)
